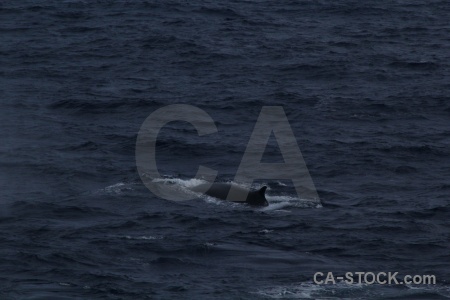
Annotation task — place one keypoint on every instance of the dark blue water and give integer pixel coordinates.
(365, 86)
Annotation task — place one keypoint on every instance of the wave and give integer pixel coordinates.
(310, 290)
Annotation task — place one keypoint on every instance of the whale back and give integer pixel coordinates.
(221, 190)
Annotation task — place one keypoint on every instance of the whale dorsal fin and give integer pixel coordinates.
(262, 190)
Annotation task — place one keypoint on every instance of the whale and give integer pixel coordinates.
(221, 190)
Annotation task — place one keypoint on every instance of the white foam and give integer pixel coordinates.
(118, 188)
(143, 237)
(265, 231)
(341, 290)
(181, 182)
(302, 291)
(279, 202)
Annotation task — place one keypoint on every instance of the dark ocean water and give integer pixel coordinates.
(365, 86)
